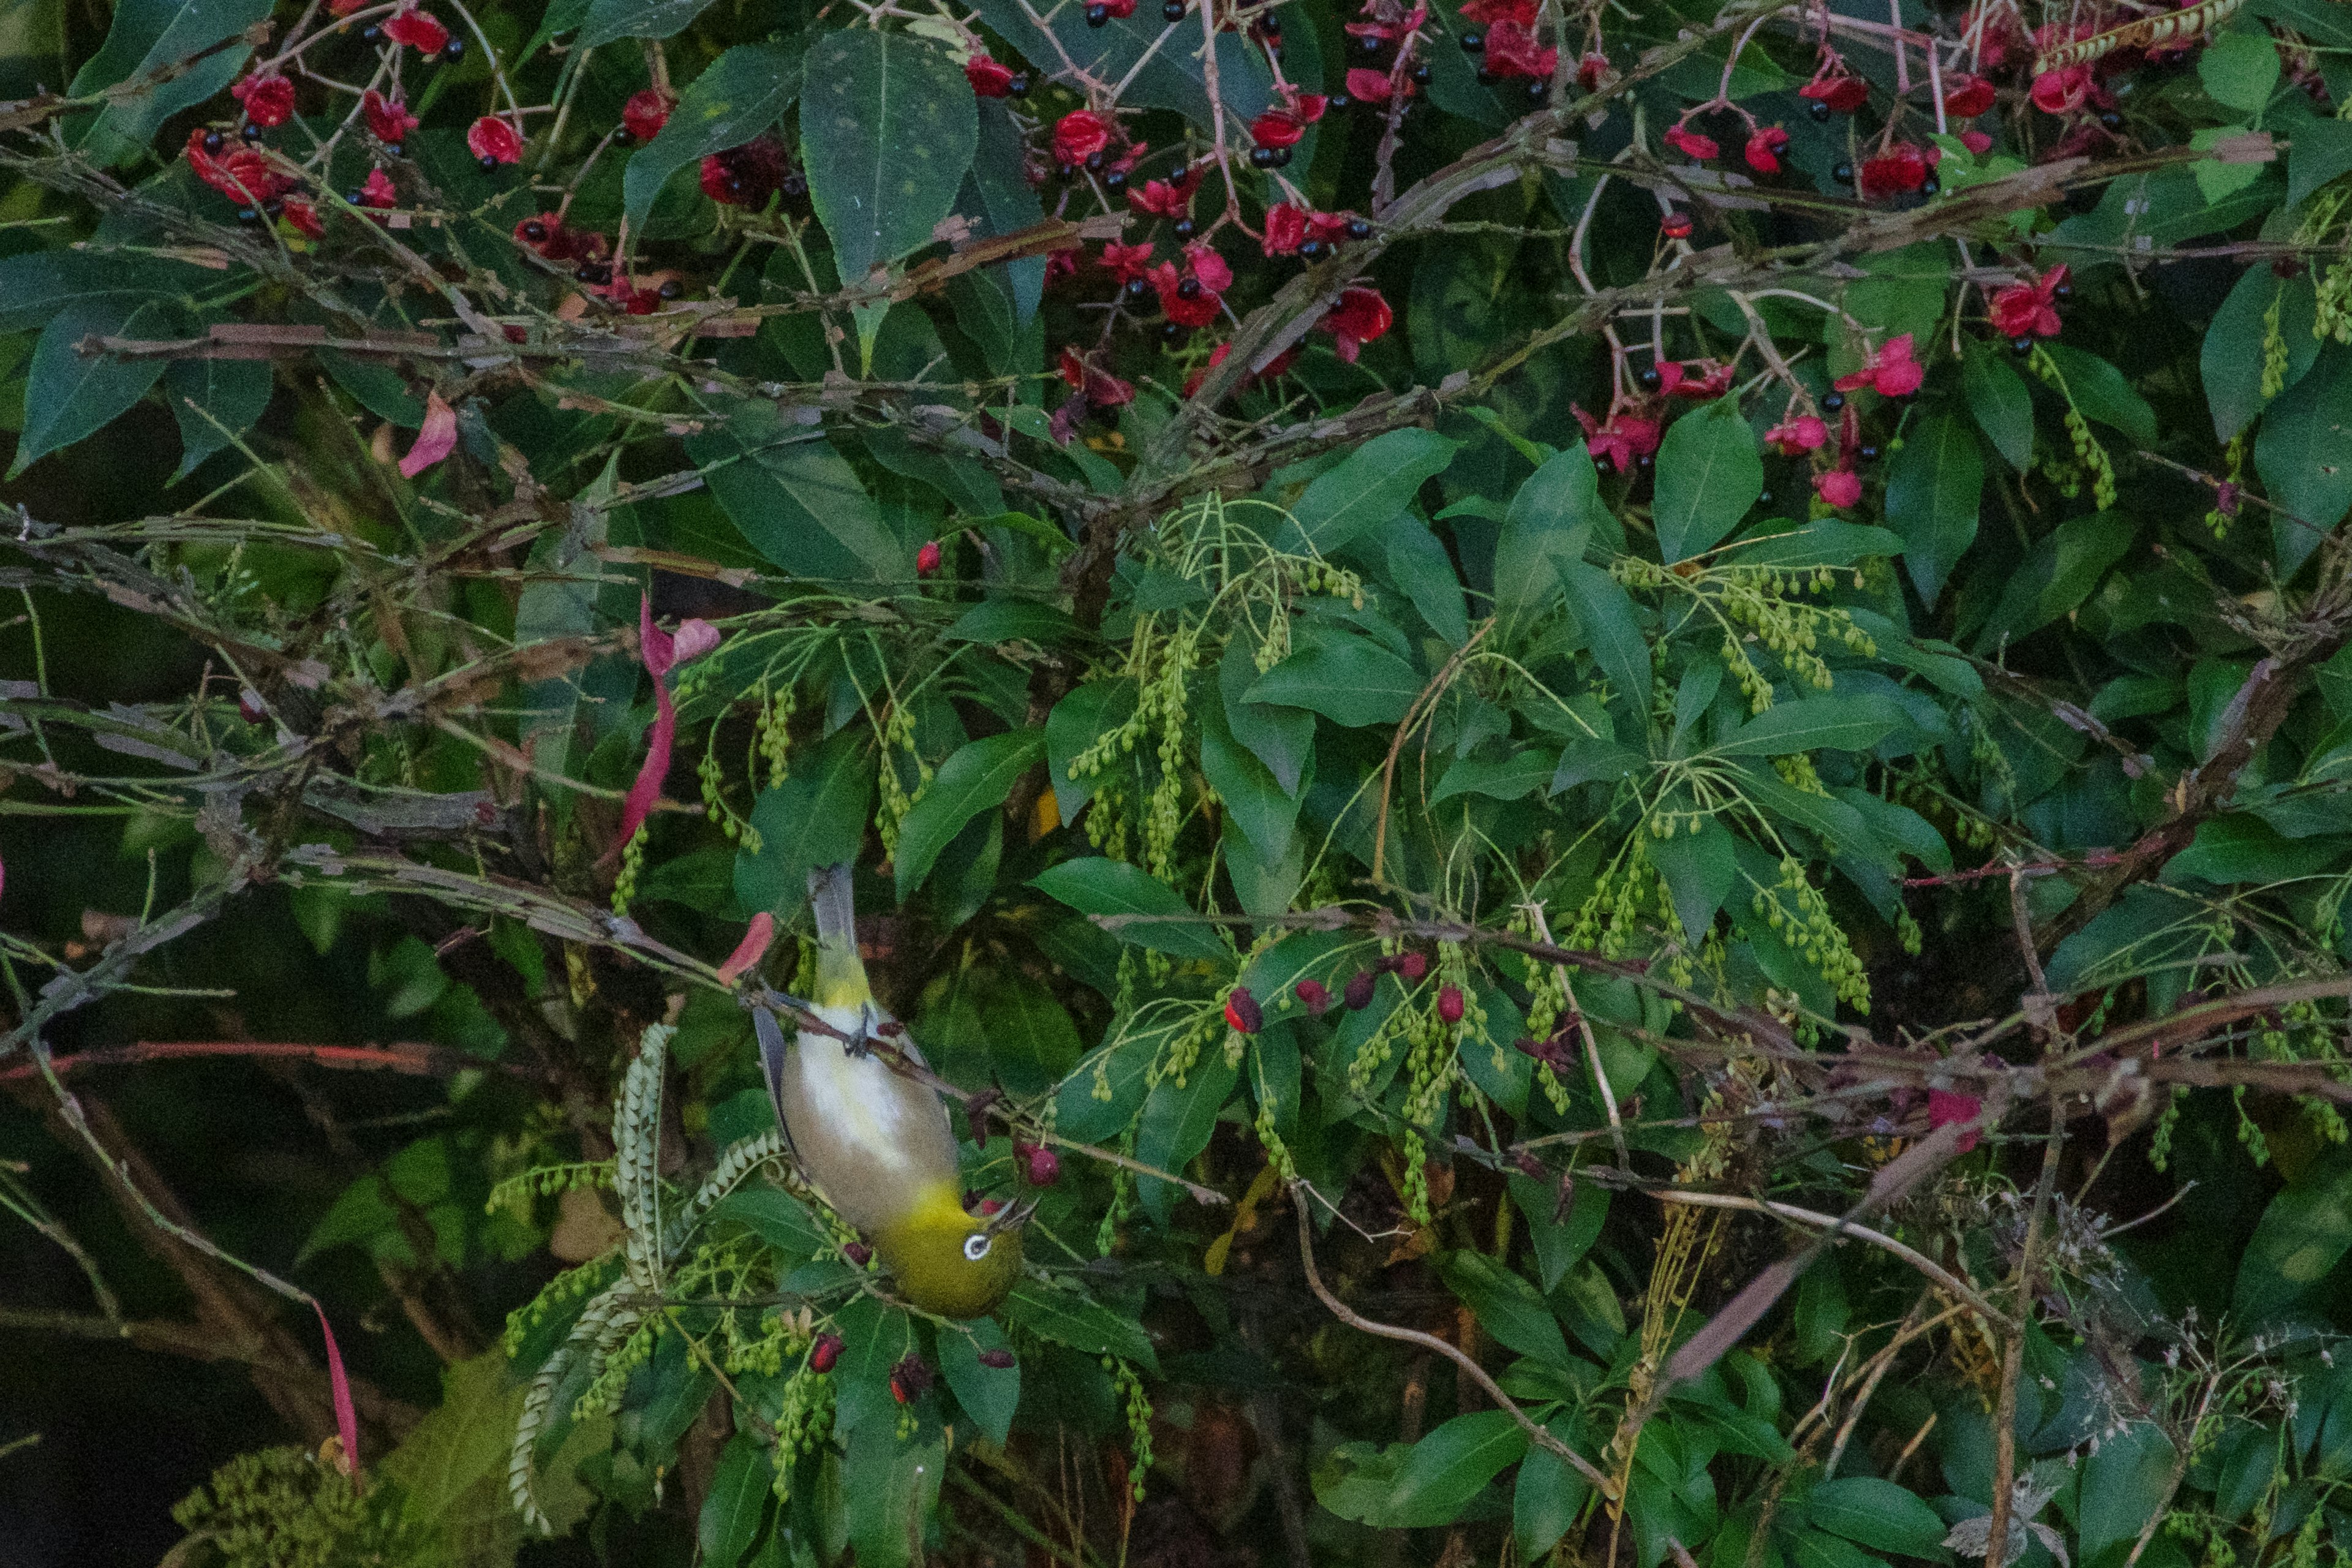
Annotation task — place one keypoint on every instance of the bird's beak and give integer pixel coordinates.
(1013, 1216)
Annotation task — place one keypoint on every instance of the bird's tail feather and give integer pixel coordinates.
(841, 976)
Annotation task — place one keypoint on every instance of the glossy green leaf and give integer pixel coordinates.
(739, 95)
(1503, 778)
(1544, 531)
(2299, 452)
(2241, 70)
(1449, 1467)
(1700, 870)
(1604, 614)
(1842, 724)
(2102, 392)
(988, 1395)
(1879, 1514)
(796, 499)
(2322, 152)
(1350, 680)
(1094, 885)
(2235, 354)
(69, 395)
(1365, 489)
(1070, 1317)
(1178, 1118)
(976, 777)
(1709, 472)
(815, 817)
(153, 45)
(1281, 737)
(214, 401)
(1163, 59)
(892, 1487)
(609, 20)
(887, 129)
(1935, 490)
(1417, 559)
(1253, 798)
(2303, 1233)
(1549, 1496)
(1506, 1306)
(737, 1503)
(1999, 401)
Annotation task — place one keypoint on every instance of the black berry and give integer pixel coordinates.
(1095, 161)
(1843, 173)
(248, 215)
(1866, 454)
(1487, 78)
(792, 187)
(1261, 157)
(1603, 465)
(1422, 74)
(1472, 42)
(625, 137)
(2111, 120)
(1538, 90)
(671, 289)
(1019, 86)
(1115, 182)
(213, 140)
(1139, 289)
(250, 131)
(453, 51)
(1370, 43)
(371, 36)
(535, 232)
(1833, 402)
(1174, 333)
(1282, 157)
(2063, 291)
(1174, 11)
(1646, 461)
(1819, 110)
(1358, 228)
(1931, 185)
(1313, 250)
(1189, 289)
(1648, 377)
(1184, 228)
(2022, 345)
(1097, 15)
(392, 149)
(590, 272)
(1067, 173)
(1339, 104)
(490, 165)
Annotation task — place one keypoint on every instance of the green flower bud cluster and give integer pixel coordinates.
(1177, 1058)
(2334, 316)
(898, 731)
(1374, 1053)
(1277, 1152)
(1139, 1422)
(602, 1394)
(712, 776)
(771, 733)
(1809, 928)
(284, 1508)
(1609, 919)
(633, 863)
(1122, 1199)
(1797, 771)
(1417, 1178)
(1907, 931)
(2274, 344)
(804, 1424)
(2233, 458)
(2091, 457)
(515, 1193)
(574, 1284)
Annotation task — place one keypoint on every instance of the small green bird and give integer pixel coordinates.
(877, 1144)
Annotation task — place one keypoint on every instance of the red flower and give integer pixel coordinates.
(1511, 51)
(1279, 366)
(1360, 317)
(1277, 127)
(1841, 487)
(1368, 86)
(1976, 142)
(1592, 71)
(1328, 227)
(1208, 267)
(1966, 97)
(1390, 32)
(646, 112)
(1285, 229)
(1891, 373)
(1192, 306)
(1675, 225)
(1128, 262)
(660, 652)
(2030, 310)
(267, 100)
(1102, 389)
(1061, 264)
(1307, 106)
(1487, 12)
(757, 937)
(1080, 135)
(989, 78)
(1701, 378)
(1763, 150)
(1843, 93)
(418, 30)
(926, 559)
(1793, 437)
(1165, 198)
(494, 140)
(1684, 140)
(1945, 1107)
(1623, 439)
(303, 218)
(376, 191)
(387, 118)
(1122, 9)
(2061, 92)
(1900, 170)
(244, 175)
(745, 176)
(1242, 1013)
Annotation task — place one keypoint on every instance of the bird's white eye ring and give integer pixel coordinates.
(976, 1244)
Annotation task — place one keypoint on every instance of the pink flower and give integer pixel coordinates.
(1368, 86)
(1843, 93)
(1701, 378)
(1080, 135)
(1165, 198)
(1487, 12)
(2030, 309)
(267, 100)
(1360, 317)
(1277, 128)
(1127, 262)
(1793, 437)
(1841, 487)
(242, 174)
(1624, 438)
(989, 78)
(1976, 142)
(660, 652)
(377, 192)
(1900, 170)
(1285, 229)
(1891, 373)
(494, 140)
(1100, 388)
(646, 112)
(926, 559)
(1684, 140)
(1592, 71)
(387, 119)
(1208, 267)
(1186, 299)
(1946, 1107)
(1511, 51)
(303, 218)
(339, 1390)
(436, 440)
(1279, 366)
(745, 176)
(757, 936)
(418, 30)
(2061, 92)
(1966, 97)
(1763, 150)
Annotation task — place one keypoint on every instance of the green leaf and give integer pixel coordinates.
(375, 386)
(146, 39)
(37, 285)
(1255, 800)
(988, 1395)
(1070, 1316)
(776, 1217)
(2103, 394)
(67, 394)
(1365, 489)
(1449, 1467)
(740, 94)
(998, 176)
(452, 1465)
(1549, 520)
(1167, 74)
(1604, 612)
(1547, 1497)
(2240, 70)
(2125, 1483)
(1879, 1514)
(2233, 354)
(235, 392)
(2322, 152)
(796, 499)
(976, 777)
(2303, 1233)
(1824, 542)
(2057, 575)
(1281, 737)
(1559, 1247)
(612, 19)
(1842, 724)
(1709, 472)
(1350, 680)
(737, 1503)
(2301, 455)
(1935, 488)
(1699, 870)
(815, 817)
(1093, 885)
(1999, 400)
(1077, 723)
(1508, 1306)
(887, 129)
(892, 1489)
(1178, 1118)
(1505, 778)
(1417, 559)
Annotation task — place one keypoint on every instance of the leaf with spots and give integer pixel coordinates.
(887, 130)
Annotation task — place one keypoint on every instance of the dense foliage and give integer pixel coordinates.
(1610, 737)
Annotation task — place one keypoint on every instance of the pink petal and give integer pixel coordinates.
(647, 789)
(655, 646)
(1945, 1107)
(751, 949)
(347, 1420)
(694, 639)
(435, 441)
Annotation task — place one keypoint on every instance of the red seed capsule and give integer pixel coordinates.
(250, 706)
(1676, 226)
(824, 1353)
(1313, 994)
(1241, 1011)
(1449, 1004)
(1358, 995)
(1413, 966)
(926, 559)
(999, 1360)
(857, 1252)
(910, 1380)
(1040, 1166)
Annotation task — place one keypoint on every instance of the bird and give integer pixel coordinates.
(876, 1143)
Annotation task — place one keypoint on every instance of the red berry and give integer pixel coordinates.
(999, 1360)
(910, 1380)
(824, 1353)
(1358, 995)
(1449, 1004)
(1413, 966)
(1676, 226)
(926, 559)
(1040, 1166)
(858, 1252)
(249, 707)
(1313, 994)
(1242, 1011)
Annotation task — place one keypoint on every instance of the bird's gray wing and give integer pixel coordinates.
(772, 1046)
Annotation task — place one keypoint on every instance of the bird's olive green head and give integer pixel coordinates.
(948, 1262)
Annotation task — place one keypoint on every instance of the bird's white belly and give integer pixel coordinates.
(860, 1103)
